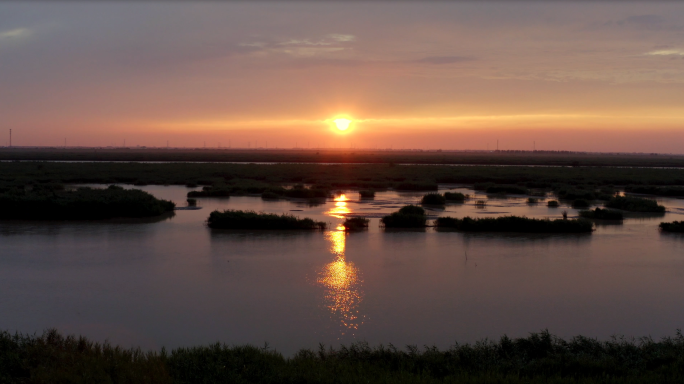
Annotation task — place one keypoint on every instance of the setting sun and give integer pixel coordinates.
(342, 124)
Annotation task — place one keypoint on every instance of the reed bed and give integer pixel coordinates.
(433, 199)
(552, 204)
(602, 214)
(55, 203)
(675, 226)
(538, 358)
(454, 196)
(515, 224)
(409, 216)
(355, 223)
(234, 219)
(634, 204)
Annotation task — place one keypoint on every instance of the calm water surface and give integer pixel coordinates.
(174, 282)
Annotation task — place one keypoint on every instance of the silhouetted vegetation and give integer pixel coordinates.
(270, 195)
(515, 224)
(580, 203)
(538, 358)
(504, 189)
(433, 199)
(355, 223)
(675, 226)
(570, 193)
(234, 219)
(552, 204)
(46, 203)
(409, 216)
(634, 204)
(532, 200)
(367, 193)
(192, 202)
(481, 203)
(454, 196)
(653, 190)
(602, 214)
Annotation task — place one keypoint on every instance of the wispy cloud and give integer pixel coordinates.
(15, 33)
(305, 47)
(666, 52)
(443, 59)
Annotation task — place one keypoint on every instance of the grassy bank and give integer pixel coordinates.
(55, 203)
(515, 224)
(233, 219)
(538, 358)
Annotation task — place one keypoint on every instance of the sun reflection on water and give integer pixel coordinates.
(340, 208)
(342, 282)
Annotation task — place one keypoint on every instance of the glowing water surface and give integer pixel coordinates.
(174, 282)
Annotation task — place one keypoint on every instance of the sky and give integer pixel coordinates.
(579, 76)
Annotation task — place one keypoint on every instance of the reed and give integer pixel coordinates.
(480, 203)
(192, 202)
(532, 200)
(234, 219)
(634, 204)
(355, 223)
(675, 226)
(538, 358)
(409, 216)
(515, 224)
(454, 196)
(602, 214)
(552, 204)
(433, 199)
(80, 204)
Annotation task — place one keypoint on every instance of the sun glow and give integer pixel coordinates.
(342, 124)
(341, 208)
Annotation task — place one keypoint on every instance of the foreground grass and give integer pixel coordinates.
(55, 203)
(234, 219)
(538, 358)
(515, 224)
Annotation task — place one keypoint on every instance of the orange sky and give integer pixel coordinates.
(568, 76)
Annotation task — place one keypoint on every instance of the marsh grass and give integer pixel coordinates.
(532, 200)
(454, 196)
(234, 219)
(515, 224)
(433, 199)
(674, 191)
(192, 202)
(355, 223)
(409, 216)
(84, 203)
(480, 204)
(537, 358)
(675, 226)
(552, 204)
(634, 204)
(602, 214)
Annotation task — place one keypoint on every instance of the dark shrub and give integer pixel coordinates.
(552, 204)
(675, 226)
(634, 204)
(233, 219)
(433, 199)
(192, 202)
(454, 196)
(409, 216)
(602, 214)
(532, 200)
(355, 223)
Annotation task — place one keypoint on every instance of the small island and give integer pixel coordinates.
(602, 214)
(675, 226)
(235, 219)
(409, 216)
(515, 224)
(634, 204)
(56, 203)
